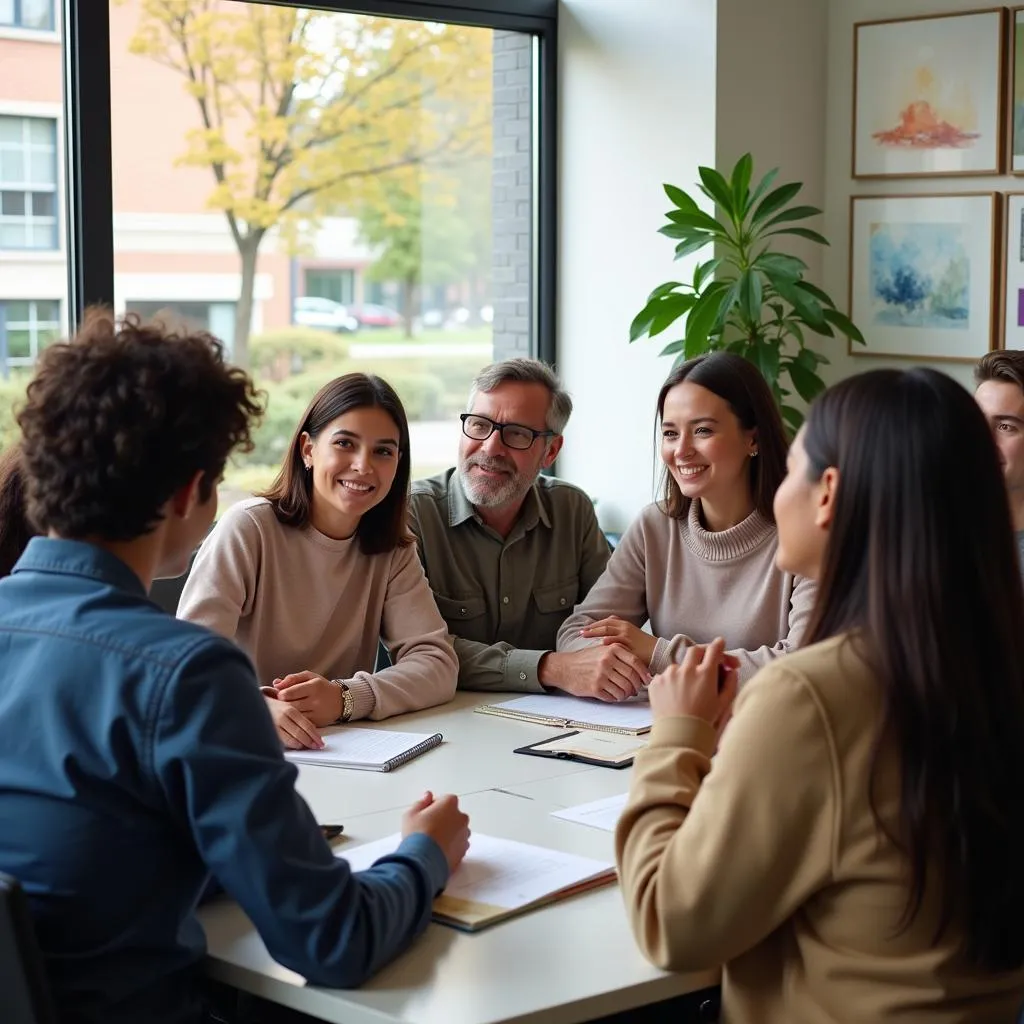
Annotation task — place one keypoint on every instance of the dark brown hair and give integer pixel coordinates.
(15, 529)
(921, 568)
(740, 384)
(1004, 365)
(121, 417)
(385, 526)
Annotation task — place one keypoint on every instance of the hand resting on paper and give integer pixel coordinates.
(609, 673)
(294, 729)
(704, 686)
(442, 820)
(317, 698)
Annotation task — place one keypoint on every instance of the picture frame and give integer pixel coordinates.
(1015, 106)
(1011, 292)
(929, 95)
(923, 273)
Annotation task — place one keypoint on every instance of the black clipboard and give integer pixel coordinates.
(537, 750)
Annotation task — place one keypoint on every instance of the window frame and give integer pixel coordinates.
(18, 25)
(7, 361)
(89, 186)
(30, 221)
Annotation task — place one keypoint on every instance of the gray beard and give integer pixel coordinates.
(492, 495)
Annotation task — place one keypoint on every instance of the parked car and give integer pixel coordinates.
(372, 315)
(328, 315)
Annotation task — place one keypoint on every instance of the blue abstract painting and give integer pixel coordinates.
(920, 275)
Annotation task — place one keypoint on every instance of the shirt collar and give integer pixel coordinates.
(460, 509)
(78, 558)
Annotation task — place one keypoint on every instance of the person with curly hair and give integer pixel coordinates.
(15, 529)
(137, 758)
(307, 577)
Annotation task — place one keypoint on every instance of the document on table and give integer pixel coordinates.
(630, 717)
(498, 878)
(603, 814)
(376, 750)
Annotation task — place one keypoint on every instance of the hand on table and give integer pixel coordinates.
(614, 630)
(294, 729)
(609, 673)
(442, 820)
(316, 697)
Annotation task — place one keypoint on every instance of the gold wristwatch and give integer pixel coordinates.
(347, 700)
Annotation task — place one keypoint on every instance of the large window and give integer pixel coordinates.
(26, 327)
(28, 183)
(32, 14)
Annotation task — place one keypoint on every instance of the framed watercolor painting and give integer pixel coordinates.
(928, 95)
(922, 275)
(1017, 92)
(1012, 303)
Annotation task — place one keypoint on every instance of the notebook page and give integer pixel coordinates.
(626, 715)
(348, 745)
(498, 872)
(608, 745)
(603, 814)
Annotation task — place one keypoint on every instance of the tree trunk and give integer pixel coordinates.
(248, 250)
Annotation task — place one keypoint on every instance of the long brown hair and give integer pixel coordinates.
(739, 383)
(385, 526)
(921, 568)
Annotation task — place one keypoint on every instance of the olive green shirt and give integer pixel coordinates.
(504, 598)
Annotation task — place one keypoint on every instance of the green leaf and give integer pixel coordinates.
(664, 289)
(762, 187)
(701, 319)
(815, 292)
(793, 213)
(794, 417)
(638, 328)
(684, 231)
(718, 189)
(801, 232)
(777, 309)
(696, 219)
(777, 264)
(673, 347)
(805, 357)
(670, 308)
(807, 383)
(679, 198)
(805, 306)
(775, 201)
(741, 182)
(703, 271)
(845, 324)
(750, 294)
(792, 327)
(730, 298)
(766, 359)
(695, 244)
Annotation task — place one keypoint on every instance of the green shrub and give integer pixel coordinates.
(281, 353)
(273, 434)
(12, 397)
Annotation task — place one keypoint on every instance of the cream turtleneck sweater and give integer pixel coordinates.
(693, 584)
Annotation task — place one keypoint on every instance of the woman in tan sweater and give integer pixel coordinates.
(856, 853)
(701, 562)
(308, 576)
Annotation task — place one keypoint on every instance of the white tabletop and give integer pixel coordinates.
(571, 961)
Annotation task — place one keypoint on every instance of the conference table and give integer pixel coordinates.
(570, 961)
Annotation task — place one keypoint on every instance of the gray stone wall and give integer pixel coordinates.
(511, 195)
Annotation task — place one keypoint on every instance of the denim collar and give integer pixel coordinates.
(78, 558)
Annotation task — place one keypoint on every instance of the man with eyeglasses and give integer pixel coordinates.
(509, 552)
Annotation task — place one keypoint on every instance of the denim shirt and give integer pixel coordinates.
(137, 758)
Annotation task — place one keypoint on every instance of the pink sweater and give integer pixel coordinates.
(295, 599)
(694, 585)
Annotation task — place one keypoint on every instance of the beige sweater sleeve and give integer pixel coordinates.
(424, 670)
(220, 587)
(711, 861)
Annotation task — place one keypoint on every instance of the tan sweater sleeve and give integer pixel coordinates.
(221, 584)
(424, 670)
(620, 590)
(712, 860)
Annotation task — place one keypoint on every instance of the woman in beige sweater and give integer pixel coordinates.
(701, 562)
(855, 853)
(308, 576)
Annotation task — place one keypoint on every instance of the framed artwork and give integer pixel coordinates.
(923, 273)
(1011, 334)
(928, 95)
(1016, 127)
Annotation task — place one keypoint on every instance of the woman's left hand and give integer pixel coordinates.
(316, 697)
(703, 686)
(614, 630)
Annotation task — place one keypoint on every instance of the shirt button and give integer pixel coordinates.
(522, 675)
(504, 600)
(561, 600)
(462, 611)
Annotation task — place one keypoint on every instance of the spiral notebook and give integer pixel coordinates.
(371, 750)
(629, 718)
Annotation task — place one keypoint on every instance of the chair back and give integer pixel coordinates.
(25, 996)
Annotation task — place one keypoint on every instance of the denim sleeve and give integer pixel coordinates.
(219, 763)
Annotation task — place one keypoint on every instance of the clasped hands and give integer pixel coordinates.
(298, 703)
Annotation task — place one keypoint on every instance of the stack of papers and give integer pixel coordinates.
(375, 750)
(602, 814)
(631, 717)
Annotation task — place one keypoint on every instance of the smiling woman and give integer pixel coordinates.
(308, 576)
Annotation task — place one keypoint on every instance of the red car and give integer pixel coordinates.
(372, 315)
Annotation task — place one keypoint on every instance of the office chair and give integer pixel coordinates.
(23, 991)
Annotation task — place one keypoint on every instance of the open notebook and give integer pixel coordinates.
(629, 718)
(498, 879)
(374, 750)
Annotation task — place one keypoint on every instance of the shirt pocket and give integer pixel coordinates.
(557, 597)
(460, 609)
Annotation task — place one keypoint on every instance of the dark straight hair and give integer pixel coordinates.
(921, 569)
(741, 385)
(385, 526)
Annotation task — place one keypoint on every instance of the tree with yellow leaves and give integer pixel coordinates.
(301, 113)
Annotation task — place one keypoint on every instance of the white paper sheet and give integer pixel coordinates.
(498, 872)
(367, 748)
(603, 814)
(630, 714)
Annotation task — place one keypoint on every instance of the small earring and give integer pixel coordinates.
(308, 465)
(753, 454)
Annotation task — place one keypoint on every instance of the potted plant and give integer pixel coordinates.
(748, 298)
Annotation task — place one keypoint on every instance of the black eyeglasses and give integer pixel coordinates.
(513, 435)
